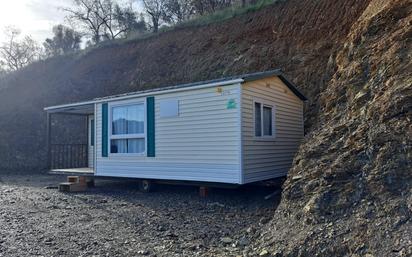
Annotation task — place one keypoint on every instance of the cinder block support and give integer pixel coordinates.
(203, 191)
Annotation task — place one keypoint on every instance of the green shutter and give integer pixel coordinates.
(150, 118)
(105, 124)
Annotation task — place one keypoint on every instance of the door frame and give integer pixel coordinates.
(91, 141)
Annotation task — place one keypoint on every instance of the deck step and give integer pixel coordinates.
(77, 179)
(72, 187)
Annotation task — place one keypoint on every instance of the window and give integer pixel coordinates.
(264, 120)
(258, 119)
(127, 129)
(169, 108)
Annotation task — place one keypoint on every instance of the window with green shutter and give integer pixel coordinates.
(150, 102)
(130, 126)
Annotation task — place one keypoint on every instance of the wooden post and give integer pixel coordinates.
(48, 138)
(87, 141)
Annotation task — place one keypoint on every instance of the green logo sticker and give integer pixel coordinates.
(231, 104)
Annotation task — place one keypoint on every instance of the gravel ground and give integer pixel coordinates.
(115, 219)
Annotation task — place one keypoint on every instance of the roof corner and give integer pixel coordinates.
(279, 73)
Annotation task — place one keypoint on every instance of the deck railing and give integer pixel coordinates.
(64, 156)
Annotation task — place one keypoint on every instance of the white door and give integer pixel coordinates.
(91, 142)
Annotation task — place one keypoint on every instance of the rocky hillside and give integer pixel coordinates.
(350, 190)
(300, 36)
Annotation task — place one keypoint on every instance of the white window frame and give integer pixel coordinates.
(263, 137)
(111, 105)
(89, 133)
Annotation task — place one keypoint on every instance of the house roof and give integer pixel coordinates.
(280, 74)
(233, 79)
(208, 83)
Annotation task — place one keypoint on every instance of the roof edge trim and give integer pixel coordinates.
(157, 91)
(279, 73)
(184, 87)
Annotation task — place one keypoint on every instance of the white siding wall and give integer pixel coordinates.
(264, 159)
(201, 144)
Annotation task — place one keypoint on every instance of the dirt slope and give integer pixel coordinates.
(350, 190)
(299, 36)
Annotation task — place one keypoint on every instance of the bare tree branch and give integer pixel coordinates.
(15, 54)
(103, 19)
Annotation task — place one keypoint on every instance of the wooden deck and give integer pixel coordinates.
(74, 171)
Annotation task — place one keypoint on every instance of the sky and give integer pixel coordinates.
(33, 17)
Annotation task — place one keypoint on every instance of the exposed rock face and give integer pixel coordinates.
(350, 190)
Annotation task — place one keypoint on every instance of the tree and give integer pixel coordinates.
(138, 27)
(179, 10)
(121, 22)
(102, 19)
(156, 9)
(16, 53)
(86, 14)
(64, 41)
(210, 6)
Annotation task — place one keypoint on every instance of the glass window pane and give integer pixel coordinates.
(127, 145)
(118, 146)
(119, 120)
(135, 119)
(267, 121)
(258, 119)
(136, 145)
(128, 119)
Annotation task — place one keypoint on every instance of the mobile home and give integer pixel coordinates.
(234, 130)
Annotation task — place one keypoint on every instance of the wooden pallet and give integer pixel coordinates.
(71, 187)
(77, 180)
(74, 184)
